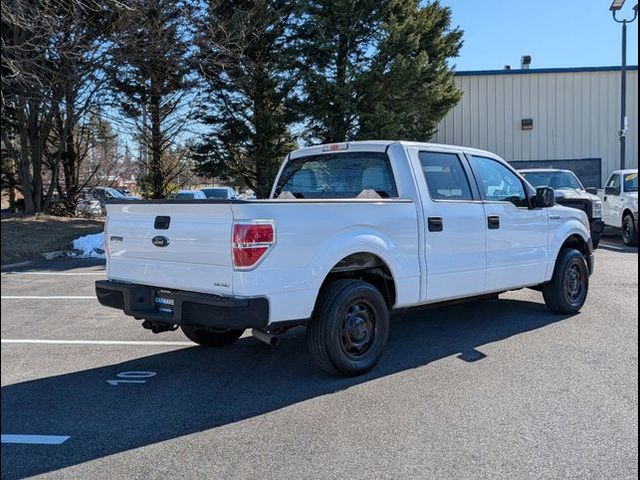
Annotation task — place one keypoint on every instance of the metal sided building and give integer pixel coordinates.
(555, 117)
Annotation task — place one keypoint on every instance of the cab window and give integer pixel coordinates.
(498, 183)
(631, 182)
(445, 176)
(338, 175)
(613, 185)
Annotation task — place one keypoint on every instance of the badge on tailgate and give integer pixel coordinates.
(160, 241)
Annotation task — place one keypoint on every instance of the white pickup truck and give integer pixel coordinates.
(620, 204)
(351, 231)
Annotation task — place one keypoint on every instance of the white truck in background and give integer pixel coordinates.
(351, 231)
(620, 204)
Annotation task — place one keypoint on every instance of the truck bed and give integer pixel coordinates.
(310, 239)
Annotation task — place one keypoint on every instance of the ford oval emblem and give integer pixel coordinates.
(160, 241)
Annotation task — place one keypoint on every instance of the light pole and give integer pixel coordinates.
(615, 7)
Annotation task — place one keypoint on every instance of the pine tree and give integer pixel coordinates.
(247, 58)
(410, 86)
(150, 76)
(376, 69)
(339, 38)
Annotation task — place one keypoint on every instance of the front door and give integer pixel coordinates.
(517, 236)
(612, 201)
(455, 236)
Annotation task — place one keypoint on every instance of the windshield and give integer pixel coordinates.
(114, 193)
(631, 182)
(554, 179)
(216, 192)
(338, 175)
(185, 196)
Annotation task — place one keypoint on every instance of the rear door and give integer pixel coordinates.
(455, 237)
(171, 244)
(517, 236)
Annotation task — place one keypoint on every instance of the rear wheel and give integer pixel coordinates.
(349, 328)
(567, 291)
(211, 338)
(629, 231)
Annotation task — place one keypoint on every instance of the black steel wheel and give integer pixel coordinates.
(629, 231)
(568, 289)
(358, 329)
(349, 327)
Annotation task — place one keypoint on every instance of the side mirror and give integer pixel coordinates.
(612, 191)
(545, 197)
(592, 190)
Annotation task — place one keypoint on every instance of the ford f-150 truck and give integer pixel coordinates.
(620, 204)
(351, 231)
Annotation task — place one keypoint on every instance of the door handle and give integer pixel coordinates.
(493, 222)
(436, 224)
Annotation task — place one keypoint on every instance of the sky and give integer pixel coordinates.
(556, 33)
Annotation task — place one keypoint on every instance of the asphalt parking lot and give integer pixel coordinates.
(492, 389)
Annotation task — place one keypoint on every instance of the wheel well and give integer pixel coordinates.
(578, 243)
(627, 212)
(368, 267)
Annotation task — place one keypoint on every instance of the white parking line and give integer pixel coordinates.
(35, 439)
(55, 273)
(36, 341)
(54, 297)
(615, 247)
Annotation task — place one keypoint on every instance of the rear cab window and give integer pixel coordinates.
(338, 175)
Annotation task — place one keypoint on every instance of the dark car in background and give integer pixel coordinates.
(220, 193)
(571, 193)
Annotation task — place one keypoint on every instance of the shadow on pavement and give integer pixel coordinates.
(60, 265)
(612, 242)
(198, 389)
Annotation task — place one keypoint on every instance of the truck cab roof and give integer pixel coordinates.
(380, 146)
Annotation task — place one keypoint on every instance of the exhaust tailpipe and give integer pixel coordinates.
(157, 327)
(265, 337)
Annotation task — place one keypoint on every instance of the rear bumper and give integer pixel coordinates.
(190, 308)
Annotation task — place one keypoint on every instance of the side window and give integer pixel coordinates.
(445, 176)
(499, 184)
(614, 181)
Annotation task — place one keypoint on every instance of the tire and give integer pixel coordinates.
(568, 289)
(211, 338)
(349, 328)
(629, 231)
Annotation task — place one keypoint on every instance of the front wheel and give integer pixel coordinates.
(567, 291)
(211, 338)
(629, 231)
(349, 328)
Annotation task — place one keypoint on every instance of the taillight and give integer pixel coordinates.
(251, 241)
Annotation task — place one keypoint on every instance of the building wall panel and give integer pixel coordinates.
(576, 115)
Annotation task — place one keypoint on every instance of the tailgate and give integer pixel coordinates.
(182, 246)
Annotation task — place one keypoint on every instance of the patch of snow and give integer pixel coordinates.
(90, 246)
